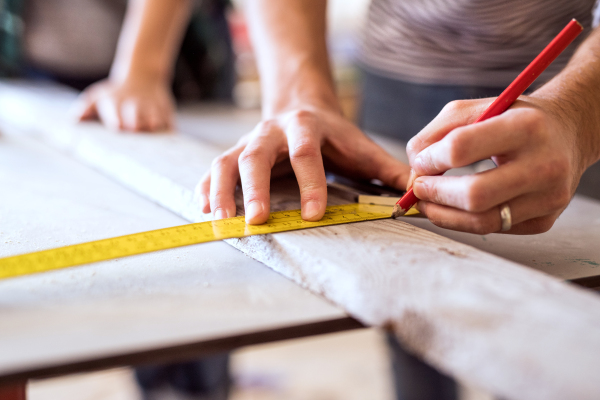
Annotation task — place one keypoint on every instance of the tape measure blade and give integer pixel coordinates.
(178, 236)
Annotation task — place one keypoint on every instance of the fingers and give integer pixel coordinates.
(109, 114)
(469, 144)
(453, 115)
(530, 214)
(219, 185)
(84, 108)
(306, 159)
(255, 164)
(478, 192)
(203, 192)
(138, 116)
(133, 107)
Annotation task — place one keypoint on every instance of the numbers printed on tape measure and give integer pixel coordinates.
(184, 235)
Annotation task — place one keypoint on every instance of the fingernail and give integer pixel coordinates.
(253, 210)
(418, 186)
(220, 214)
(311, 210)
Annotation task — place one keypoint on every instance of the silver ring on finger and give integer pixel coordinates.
(505, 217)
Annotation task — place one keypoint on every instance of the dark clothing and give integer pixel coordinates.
(401, 109)
(207, 378)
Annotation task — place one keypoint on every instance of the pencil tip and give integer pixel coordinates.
(398, 211)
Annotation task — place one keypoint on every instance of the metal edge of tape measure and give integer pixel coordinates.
(182, 235)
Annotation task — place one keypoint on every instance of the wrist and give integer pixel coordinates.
(579, 113)
(132, 70)
(302, 86)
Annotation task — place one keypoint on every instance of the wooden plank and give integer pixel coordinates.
(165, 168)
(174, 304)
(498, 325)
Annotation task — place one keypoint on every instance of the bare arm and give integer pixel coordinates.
(542, 145)
(576, 96)
(302, 126)
(290, 44)
(136, 96)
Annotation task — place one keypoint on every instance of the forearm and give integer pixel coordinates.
(150, 39)
(289, 38)
(575, 92)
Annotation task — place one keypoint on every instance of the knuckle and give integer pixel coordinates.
(300, 116)
(555, 169)
(475, 199)
(535, 119)
(560, 198)
(305, 148)
(457, 149)
(454, 106)
(265, 126)
(540, 225)
(250, 155)
(534, 123)
(545, 225)
(218, 199)
(220, 161)
(482, 224)
(252, 192)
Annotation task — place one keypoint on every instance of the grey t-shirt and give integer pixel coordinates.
(465, 42)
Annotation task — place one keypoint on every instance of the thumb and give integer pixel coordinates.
(392, 172)
(84, 109)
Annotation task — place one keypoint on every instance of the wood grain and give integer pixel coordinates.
(498, 325)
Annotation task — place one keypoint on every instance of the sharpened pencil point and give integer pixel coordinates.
(398, 211)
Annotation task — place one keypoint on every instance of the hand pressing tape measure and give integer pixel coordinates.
(184, 235)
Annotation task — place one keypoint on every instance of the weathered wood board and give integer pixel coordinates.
(166, 305)
(165, 167)
(498, 325)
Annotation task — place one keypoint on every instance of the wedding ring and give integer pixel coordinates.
(506, 217)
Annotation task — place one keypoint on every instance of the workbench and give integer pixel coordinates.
(181, 303)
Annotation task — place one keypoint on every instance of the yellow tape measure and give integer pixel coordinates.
(184, 235)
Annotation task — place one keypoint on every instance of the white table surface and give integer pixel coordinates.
(186, 296)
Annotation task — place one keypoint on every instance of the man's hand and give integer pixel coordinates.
(136, 96)
(542, 145)
(309, 139)
(131, 105)
(533, 143)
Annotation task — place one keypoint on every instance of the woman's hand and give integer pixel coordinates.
(539, 166)
(308, 138)
(133, 105)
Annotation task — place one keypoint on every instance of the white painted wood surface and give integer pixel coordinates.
(152, 301)
(498, 325)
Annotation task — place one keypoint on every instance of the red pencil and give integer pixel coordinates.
(511, 93)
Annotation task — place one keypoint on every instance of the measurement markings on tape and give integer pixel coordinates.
(177, 236)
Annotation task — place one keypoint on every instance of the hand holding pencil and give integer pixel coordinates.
(471, 203)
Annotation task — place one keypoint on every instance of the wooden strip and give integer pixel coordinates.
(500, 326)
